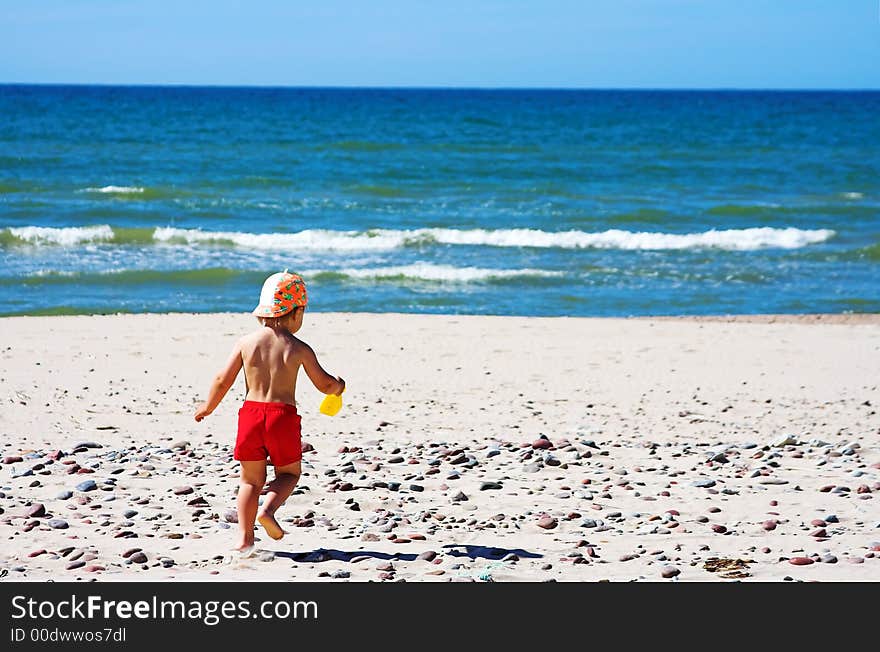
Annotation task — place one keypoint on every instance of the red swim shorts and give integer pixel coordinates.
(268, 430)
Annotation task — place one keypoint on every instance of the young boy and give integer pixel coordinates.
(268, 424)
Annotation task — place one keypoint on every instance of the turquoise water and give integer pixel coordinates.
(157, 199)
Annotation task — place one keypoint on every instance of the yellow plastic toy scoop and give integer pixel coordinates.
(331, 404)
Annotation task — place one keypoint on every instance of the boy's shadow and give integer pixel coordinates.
(452, 549)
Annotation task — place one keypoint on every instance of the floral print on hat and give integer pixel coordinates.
(281, 293)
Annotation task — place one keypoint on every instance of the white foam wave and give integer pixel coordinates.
(117, 190)
(731, 239)
(387, 239)
(852, 195)
(313, 239)
(70, 235)
(441, 273)
(384, 239)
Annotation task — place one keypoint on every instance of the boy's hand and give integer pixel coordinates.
(202, 412)
(341, 385)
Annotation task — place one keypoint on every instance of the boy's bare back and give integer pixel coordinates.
(271, 360)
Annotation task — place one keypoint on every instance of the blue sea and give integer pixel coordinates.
(511, 202)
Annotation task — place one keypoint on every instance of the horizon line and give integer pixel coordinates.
(792, 89)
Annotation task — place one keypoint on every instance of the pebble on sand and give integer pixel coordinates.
(669, 571)
(800, 561)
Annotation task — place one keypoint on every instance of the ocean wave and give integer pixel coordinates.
(731, 239)
(64, 236)
(312, 239)
(437, 273)
(117, 190)
(388, 239)
(221, 275)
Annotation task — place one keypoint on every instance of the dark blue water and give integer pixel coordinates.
(454, 201)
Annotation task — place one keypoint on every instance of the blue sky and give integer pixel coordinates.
(484, 43)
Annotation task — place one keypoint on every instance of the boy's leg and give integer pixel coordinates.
(279, 490)
(253, 477)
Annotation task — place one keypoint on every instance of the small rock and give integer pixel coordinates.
(800, 561)
(490, 485)
(547, 523)
(428, 555)
(57, 524)
(87, 485)
(183, 490)
(669, 571)
(36, 510)
(784, 440)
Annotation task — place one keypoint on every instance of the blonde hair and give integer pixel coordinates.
(278, 321)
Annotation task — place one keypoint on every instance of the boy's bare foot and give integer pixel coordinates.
(244, 547)
(270, 525)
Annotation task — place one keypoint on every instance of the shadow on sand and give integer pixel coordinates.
(451, 549)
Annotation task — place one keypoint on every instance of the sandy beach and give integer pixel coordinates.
(468, 448)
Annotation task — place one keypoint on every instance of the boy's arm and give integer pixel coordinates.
(221, 383)
(323, 382)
